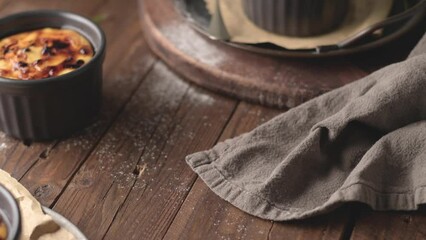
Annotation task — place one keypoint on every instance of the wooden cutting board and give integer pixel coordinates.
(245, 75)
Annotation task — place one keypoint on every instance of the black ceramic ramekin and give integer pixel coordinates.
(9, 214)
(53, 107)
(299, 18)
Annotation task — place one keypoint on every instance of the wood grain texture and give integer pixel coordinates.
(103, 182)
(154, 206)
(140, 162)
(204, 215)
(125, 176)
(245, 75)
(3, 5)
(82, 7)
(335, 225)
(390, 225)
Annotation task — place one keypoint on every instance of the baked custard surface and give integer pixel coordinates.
(43, 53)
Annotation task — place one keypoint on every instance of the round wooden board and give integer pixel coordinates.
(245, 75)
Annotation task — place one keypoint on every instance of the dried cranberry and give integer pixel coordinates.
(59, 44)
(22, 64)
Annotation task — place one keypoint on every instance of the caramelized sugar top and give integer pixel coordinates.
(43, 53)
(3, 230)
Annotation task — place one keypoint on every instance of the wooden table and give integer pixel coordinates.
(125, 177)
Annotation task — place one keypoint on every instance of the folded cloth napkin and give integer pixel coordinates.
(363, 142)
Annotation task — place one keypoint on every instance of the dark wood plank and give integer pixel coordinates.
(204, 215)
(103, 182)
(335, 225)
(142, 154)
(135, 181)
(390, 225)
(83, 7)
(199, 127)
(17, 157)
(3, 4)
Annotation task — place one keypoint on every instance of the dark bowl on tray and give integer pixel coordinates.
(57, 106)
(9, 214)
(299, 18)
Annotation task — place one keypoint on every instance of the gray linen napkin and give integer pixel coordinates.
(363, 142)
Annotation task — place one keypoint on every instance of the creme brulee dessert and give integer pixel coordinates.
(3, 230)
(43, 53)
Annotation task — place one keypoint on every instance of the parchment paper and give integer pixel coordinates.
(35, 224)
(364, 13)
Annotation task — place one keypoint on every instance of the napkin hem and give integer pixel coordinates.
(203, 164)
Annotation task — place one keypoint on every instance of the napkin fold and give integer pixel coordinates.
(364, 142)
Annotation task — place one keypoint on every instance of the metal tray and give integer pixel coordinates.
(198, 16)
(65, 223)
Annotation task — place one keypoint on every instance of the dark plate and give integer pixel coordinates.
(197, 14)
